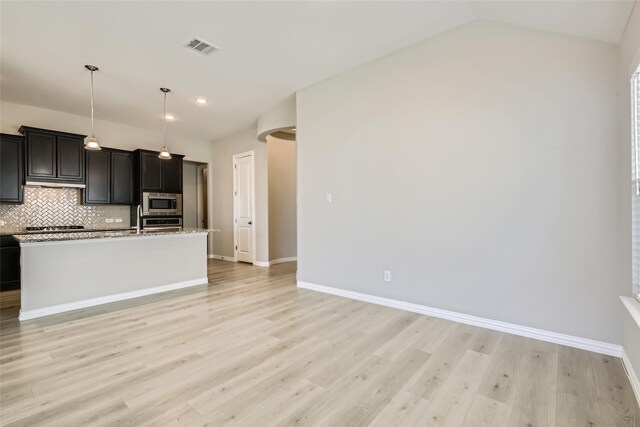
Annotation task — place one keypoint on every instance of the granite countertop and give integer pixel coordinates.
(110, 234)
(15, 231)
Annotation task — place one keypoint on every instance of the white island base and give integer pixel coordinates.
(60, 276)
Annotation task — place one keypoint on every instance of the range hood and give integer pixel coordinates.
(54, 184)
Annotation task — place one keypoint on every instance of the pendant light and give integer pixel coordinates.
(90, 142)
(164, 153)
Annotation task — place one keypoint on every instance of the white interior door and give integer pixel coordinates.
(244, 208)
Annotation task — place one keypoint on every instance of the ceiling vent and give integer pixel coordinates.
(201, 46)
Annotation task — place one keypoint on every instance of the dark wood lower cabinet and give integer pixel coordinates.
(9, 263)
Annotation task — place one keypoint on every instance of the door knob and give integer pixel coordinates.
(250, 222)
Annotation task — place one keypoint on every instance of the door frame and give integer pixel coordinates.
(200, 204)
(235, 203)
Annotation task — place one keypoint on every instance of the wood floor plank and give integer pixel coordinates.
(487, 412)
(250, 349)
(535, 388)
(450, 405)
(615, 399)
(503, 370)
(441, 365)
(404, 410)
(365, 407)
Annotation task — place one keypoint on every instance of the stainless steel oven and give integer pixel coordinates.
(157, 224)
(161, 204)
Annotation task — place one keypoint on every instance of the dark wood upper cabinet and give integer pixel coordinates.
(172, 174)
(150, 172)
(97, 190)
(41, 155)
(70, 152)
(11, 168)
(157, 175)
(53, 155)
(109, 177)
(121, 178)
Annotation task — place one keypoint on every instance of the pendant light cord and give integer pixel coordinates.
(165, 119)
(92, 104)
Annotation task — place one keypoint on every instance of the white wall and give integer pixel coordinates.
(221, 179)
(282, 198)
(629, 60)
(110, 134)
(478, 167)
(281, 116)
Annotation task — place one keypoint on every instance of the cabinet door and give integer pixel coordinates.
(9, 269)
(172, 175)
(150, 172)
(121, 178)
(11, 168)
(98, 177)
(70, 158)
(41, 155)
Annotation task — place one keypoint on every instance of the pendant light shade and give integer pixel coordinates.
(164, 153)
(91, 142)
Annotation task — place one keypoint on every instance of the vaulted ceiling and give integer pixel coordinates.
(268, 50)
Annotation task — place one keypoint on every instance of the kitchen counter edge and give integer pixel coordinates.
(27, 239)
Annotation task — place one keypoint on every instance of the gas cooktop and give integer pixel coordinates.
(55, 228)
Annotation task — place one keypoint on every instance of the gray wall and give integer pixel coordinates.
(282, 198)
(189, 195)
(629, 60)
(221, 203)
(477, 166)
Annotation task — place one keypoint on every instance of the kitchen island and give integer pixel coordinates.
(68, 271)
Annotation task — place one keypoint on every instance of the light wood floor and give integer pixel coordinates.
(252, 350)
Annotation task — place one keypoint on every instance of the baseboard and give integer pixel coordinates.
(632, 374)
(261, 263)
(525, 331)
(281, 260)
(62, 308)
(221, 257)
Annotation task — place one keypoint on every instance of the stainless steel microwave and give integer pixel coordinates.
(161, 204)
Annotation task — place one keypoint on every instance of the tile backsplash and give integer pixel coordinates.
(59, 206)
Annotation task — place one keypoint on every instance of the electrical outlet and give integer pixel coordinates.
(109, 220)
(387, 276)
(328, 198)
(118, 219)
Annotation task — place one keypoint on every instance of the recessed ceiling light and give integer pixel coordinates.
(169, 116)
(201, 100)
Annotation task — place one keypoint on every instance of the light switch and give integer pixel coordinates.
(328, 198)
